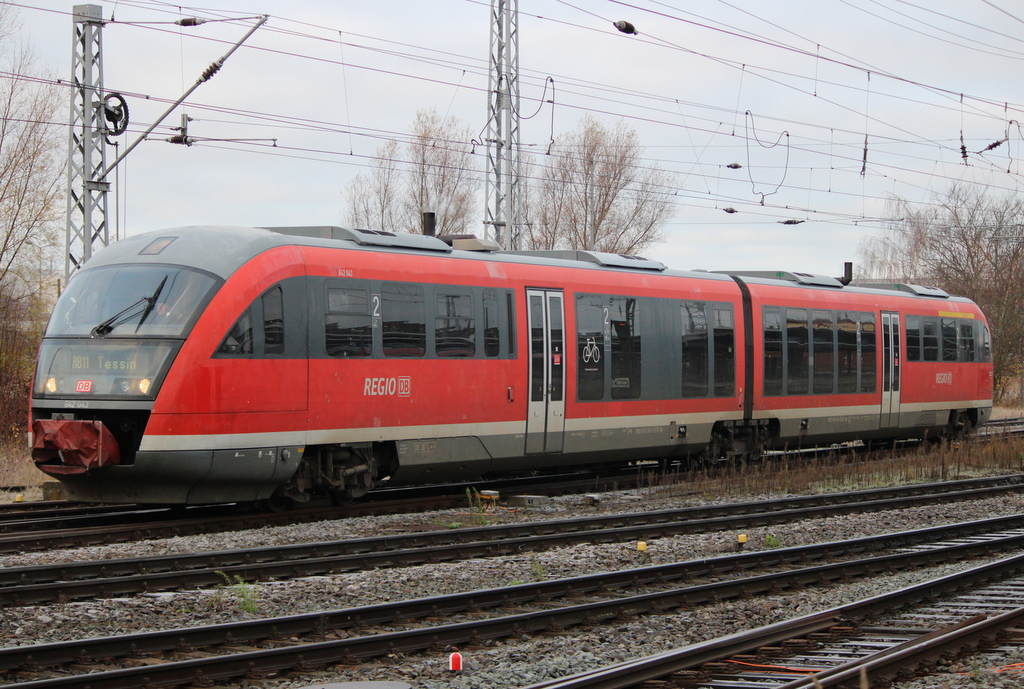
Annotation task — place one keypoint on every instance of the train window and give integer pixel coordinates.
(772, 351)
(930, 339)
(868, 353)
(625, 336)
(454, 325)
(967, 348)
(537, 380)
(847, 341)
(913, 324)
(403, 318)
(949, 352)
(347, 331)
(510, 312)
(984, 344)
(824, 352)
(273, 321)
(239, 338)
(557, 347)
(695, 349)
(896, 354)
(492, 333)
(589, 347)
(725, 356)
(797, 356)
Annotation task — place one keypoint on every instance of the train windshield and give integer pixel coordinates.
(131, 300)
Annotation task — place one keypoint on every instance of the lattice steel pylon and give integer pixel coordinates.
(502, 217)
(87, 194)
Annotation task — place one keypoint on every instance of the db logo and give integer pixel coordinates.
(401, 386)
(83, 386)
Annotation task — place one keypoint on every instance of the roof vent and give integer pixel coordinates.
(366, 237)
(919, 290)
(469, 242)
(800, 278)
(601, 258)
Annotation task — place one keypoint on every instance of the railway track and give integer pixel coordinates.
(55, 524)
(262, 648)
(120, 577)
(897, 635)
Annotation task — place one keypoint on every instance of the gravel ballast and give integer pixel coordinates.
(506, 663)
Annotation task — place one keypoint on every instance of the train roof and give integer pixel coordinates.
(223, 249)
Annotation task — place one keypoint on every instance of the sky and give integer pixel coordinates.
(786, 126)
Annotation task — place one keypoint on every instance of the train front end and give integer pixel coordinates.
(108, 348)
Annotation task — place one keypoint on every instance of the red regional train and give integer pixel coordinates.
(212, 364)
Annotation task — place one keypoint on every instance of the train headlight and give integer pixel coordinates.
(144, 386)
(125, 386)
(51, 384)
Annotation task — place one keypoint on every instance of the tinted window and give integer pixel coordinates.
(622, 314)
(797, 352)
(868, 353)
(847, 340)
(589, 347)
(985, 344)
(725, 356)
(772, 352)
(930, 339)
(454, 325)
(492, 332)
(824, 356)
(404, 321)
(967, 348)
(913, 338)
(948, 339)
(510, 304)
(695, 349)
(537, 348)
(239, 338)
(347, 330)
(273, 322)
(557, 347)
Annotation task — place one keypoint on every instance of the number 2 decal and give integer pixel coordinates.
(376, 305)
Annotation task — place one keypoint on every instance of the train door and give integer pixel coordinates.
(891, 356)
(545, 421)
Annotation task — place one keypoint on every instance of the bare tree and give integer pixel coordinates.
(374, 200)
(442, 175)
(437, 175)
(969, 244)
(32, 169)
(596, 193)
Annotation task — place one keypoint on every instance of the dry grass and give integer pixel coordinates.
(16, 467)
(1007, 412)
(836, 473)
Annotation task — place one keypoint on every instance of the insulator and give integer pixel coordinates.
(211, 70)
(191, 21)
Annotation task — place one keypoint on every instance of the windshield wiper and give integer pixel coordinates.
(104, 328)
(151, 304)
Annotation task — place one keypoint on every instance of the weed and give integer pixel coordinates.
(516, 582)
(476, 504)
(772, 541)
(537, 568)
(247, 595)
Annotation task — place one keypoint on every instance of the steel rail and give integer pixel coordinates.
(352, 649)
(634, 672)
(977, 631)
(117, 577)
